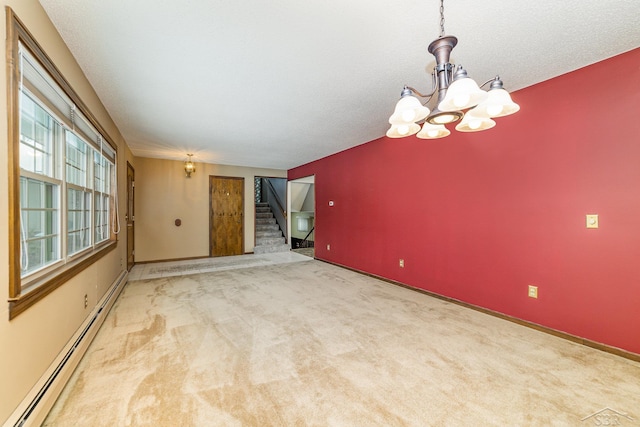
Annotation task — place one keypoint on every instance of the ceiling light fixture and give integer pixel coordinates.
(189, 166)
(456, 93)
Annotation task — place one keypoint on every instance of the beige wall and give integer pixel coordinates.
(30, 342)
(164, 194)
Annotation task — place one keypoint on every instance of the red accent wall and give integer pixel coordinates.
(478, 217)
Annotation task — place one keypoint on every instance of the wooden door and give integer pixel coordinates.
(226, 216)
(130, 216)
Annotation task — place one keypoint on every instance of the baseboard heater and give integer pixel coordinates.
(36, 405)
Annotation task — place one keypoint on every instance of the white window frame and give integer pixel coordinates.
(43, 83)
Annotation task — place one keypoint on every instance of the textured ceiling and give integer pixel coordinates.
(280, 83)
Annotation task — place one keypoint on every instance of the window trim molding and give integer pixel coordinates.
(19, 301)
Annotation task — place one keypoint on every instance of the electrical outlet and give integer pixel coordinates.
(328, 247)
(533, 291)
(86, 301)
(401, 263)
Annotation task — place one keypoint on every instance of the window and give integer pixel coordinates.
(62, 174)
(39, 188)
(78, 195)
(102, 170)
(39, 223)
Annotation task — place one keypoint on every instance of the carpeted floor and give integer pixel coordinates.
(155, 270)
(311, 344)
(310, 252)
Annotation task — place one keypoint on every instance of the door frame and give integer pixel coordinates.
(130, 216)
(311, 179)
(211, 216)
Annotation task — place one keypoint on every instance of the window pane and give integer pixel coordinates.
(109, 172)
(34, 224)
(101, 173)
(39, 224)
(27, 126)
(38, 132)
(78, 220)
(34, 259)
(101, 216)
(71, 246)
(77, 151)
(51, 222)
(33, 195)
(52, 249)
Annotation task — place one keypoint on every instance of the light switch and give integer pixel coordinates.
(592, 221)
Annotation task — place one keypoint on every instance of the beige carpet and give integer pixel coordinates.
(310, 344)
(310, 252)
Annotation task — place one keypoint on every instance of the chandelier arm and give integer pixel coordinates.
(489, 81)
(434, 84)
(429, 95)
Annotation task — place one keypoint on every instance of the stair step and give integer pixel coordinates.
(267, 227)
(265, 221)
(268, 233)
(267, 249)
(269, 241)
(269, 238)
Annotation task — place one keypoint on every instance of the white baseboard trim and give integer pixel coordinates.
(38, 402)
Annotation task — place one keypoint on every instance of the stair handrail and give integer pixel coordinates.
(275, 193)
(308, 234)
(305, 242)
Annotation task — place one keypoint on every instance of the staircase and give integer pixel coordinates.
(269, 237)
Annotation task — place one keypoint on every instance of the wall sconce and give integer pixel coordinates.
(189, 166)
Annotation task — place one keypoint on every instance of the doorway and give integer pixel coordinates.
(301, 208)
(270, 195)
(226, 216)
(130, 216)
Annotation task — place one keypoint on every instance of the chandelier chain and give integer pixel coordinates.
(441, 18)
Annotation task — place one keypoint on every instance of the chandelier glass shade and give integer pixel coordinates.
(474, 123)
(189, 166)
(408, 109)
(498, 102)
(456, 93)
(463, 93)
(431, 131)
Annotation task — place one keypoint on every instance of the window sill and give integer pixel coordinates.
(56, 278)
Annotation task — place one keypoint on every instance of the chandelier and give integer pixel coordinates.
(189, 166)
(459, 98)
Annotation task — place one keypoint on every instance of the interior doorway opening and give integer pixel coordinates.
(130, 216)
(270, 198)
(302, 212)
